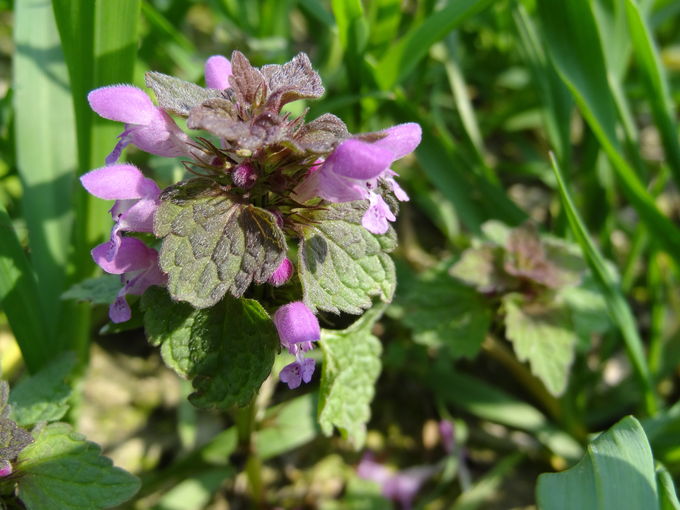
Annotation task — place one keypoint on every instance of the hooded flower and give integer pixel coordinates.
(138, 266)
(137, 199)
(352, 172)
(146, 126)
(217, 72)
(298, 327)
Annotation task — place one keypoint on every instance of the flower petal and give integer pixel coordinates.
(290, 374)
(376, 217)
(217, 72)
(296, 323)
(132, 255)
(161, 136)
(119, 311)
(139, 217)
(358, 159)
(123, 103)
(401, 139)
(118, 182)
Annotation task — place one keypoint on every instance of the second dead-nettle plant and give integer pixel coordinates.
(262, 184)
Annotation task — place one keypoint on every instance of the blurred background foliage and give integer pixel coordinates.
(524, 370)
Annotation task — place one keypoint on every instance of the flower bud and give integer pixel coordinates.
(6, 467)
(244, 175)
(296, 323)
(282, 273)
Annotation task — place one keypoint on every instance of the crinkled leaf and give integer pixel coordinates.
(322, 134)
(341, 264)
(616, 472)
(445, 313)
(542, 334)
(227, 350)
(219, 117)
(351, 367)
(177, 96)
(100, 290)
(213, 245)
(43, 396)
(248, 83)
(13, 439)
(61, 470)
(292, 81)
(5, 409)
(525, 257)
(482, 267)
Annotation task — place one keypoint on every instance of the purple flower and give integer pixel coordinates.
(353, 169)
(282, 273)
(448, 435)
(5, 468)
(136, 201)
(401, 486)
(298, 327)
(295, 373)
(217, 72)
(138, 266)
(244, 175)
(146, 125)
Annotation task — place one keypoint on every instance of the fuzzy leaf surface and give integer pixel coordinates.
(342, 265)
(177, 96)
(213, 245)
(542, 334)
(443, 312)
(43, 396)
(292, 81)
(226, 350)
(13, 438)
(351, 367)
(61, 470)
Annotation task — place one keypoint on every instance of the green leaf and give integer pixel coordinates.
(341, 264)
(178, 96)
(213, 245)
(101, 290)
(43, 396)
(13, 438)
(405, 54)
(288, 425)
(617, 472)
(63, 471)
(573, 43)
(445, 313)
(668, 499)
(541, 333)
(227, 350)
(350, 369)
(482, 267)
(20, 298)
(618, 307)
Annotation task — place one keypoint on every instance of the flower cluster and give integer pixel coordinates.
(253, 172)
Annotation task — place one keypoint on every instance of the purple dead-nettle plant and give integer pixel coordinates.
(303, 207)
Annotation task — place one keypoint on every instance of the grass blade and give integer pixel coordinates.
(20, 298)
(574, 47)
(405, 54)
(46, 156)
(618, 307)
(656, 83)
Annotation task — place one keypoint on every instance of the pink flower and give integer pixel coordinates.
(217, 72)
(136, 196)
(353, 169)
(298, 327)
(282, 273)
(146, 125)
(138, 266)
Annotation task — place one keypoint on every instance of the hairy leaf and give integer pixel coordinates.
(541, 334)
(445, 313)
(292, 81)
(177, 96)
(43, 396)
(322, 134)
(13, 439)
(482, 268)
(100, 290)
(213, 245)
(350, 369)
(342, 265)
(248, 84)
(227, 350)
(62, 470)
